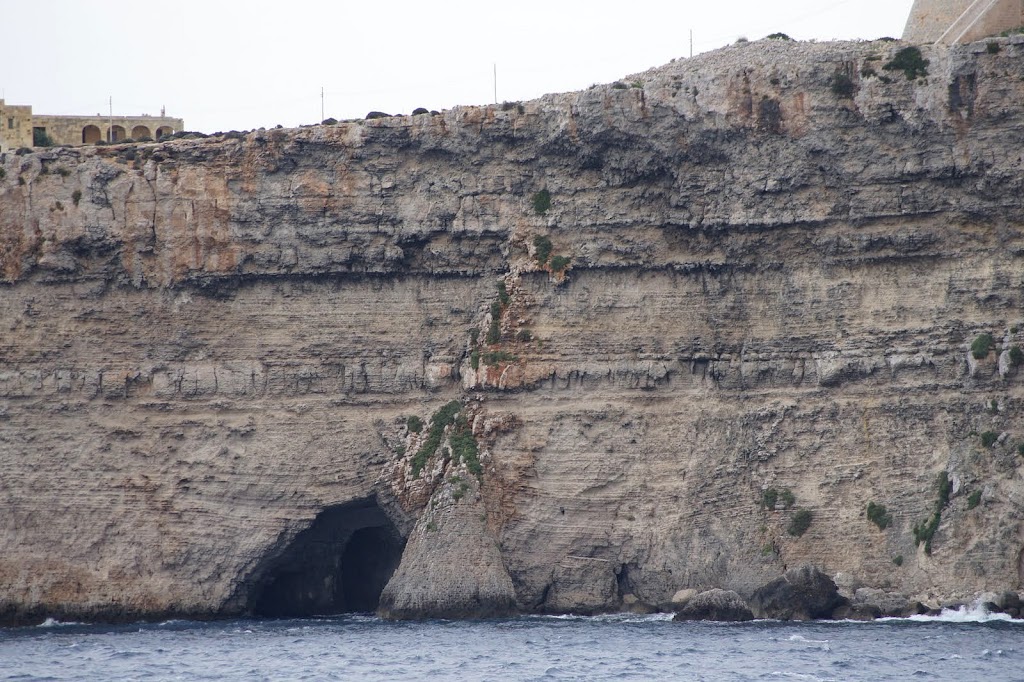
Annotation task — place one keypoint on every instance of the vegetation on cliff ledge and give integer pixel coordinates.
(463, 444)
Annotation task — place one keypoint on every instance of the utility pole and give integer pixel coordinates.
(691, 43)
(495, 82)
(110, 129)
(322, 118)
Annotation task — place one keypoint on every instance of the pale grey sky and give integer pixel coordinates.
(240, 65)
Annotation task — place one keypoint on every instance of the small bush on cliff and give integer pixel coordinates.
(40, 138)
(494, 331)
(503, 296)
(910, 61)
(3, 173)
(619, 85)
(498, 357)
(800, 522)
(974, 499)
(414, 424)
(1020, 449)
(772, 499)
(76, 196)
(989, 438)
(779, 36)
(474, 360)
(981, 346)
(993, 48)
(898, 559)
(879, 515)
(438, 421)
(1016, 356)
(541, 201)
(769, 498)
(542, 246)
(924, 532)
(843, 86)
(560, 263)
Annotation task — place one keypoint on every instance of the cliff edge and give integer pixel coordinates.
(734, 315)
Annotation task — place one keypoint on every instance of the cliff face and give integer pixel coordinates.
(779, 257)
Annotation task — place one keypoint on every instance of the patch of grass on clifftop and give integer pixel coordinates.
(879, 515)
(910, 61)
(981, 346)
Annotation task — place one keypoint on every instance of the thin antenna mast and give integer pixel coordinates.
(110, 129)
(691, 43)
(322, 118)
(495, 82)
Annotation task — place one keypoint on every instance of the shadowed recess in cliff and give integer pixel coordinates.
(340, 564)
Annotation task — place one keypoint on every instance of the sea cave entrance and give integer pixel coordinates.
(340, 564)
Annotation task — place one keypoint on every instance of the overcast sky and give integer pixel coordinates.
(241, 65)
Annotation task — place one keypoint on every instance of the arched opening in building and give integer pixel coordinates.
(91, 135)
(340, 564)
(116, 134)
(139, 132)
(164, 130)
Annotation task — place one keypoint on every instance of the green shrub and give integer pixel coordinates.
(779, 36)
(1016, 355)
(769, 498)
(924, 532)
(414, 424)
(879, 515)
(377, 114)
(868, 72)
(543, 247)
(497, 357)
(3, 173)
(993, 48)
(800, 522)
(474, 335)
(541, 201)
(638, 84)
(1020, 449)
(981, 346)
(910, 62)
(465, 449)
(560, 263)
(474, 360)
(76, 196)
(503, 296)
(619, 85)
(58, 205)
(787, 498)
(988, 438)
(329, 122)
(524, 335)
(974, 499)
(61, 171)
(438, 421)
(843, 86)
(898, 559)
(40, 138)
(494, 331)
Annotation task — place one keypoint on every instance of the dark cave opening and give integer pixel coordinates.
(340, 564)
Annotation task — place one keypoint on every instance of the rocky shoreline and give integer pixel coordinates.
(808, 594)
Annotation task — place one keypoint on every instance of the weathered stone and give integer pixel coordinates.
(801, 594)
(717, 605)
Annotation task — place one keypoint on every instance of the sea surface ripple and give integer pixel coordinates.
(959, 646)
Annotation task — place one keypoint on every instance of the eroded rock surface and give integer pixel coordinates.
(765, 269)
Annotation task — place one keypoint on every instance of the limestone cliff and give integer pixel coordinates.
(678, 313)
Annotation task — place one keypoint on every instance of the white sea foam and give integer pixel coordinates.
(54, 623)
(974, 613)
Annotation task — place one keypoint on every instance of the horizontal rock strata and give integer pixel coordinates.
(746, 278)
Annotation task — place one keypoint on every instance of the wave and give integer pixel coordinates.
(973, 613)
(54, 623)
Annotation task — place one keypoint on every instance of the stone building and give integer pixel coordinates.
(19, 127)
(961, 21)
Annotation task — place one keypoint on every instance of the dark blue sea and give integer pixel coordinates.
(963, 645)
